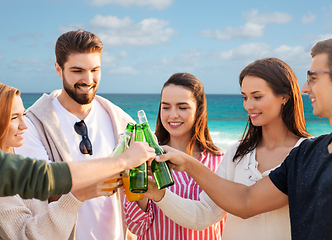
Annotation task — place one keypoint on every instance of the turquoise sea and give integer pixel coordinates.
(226, 115)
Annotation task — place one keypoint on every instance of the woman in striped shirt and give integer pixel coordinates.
(181, 124)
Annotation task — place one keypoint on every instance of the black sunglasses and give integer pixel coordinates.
(85, 144)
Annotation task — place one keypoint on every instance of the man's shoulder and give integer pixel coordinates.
(315, 142)
(309, 149)
(44, 101)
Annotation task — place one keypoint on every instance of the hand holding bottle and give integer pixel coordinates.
(137, 153)
(160, 170)
(178, 160)
(153, 192)
(97, 190)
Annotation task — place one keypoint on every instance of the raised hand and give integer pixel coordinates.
(137, 153)
(103, 188)
(178, 160)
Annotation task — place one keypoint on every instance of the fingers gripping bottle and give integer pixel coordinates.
(124, 140)
(123, 143)
(125, 174)
(160, 170)
(139, 175)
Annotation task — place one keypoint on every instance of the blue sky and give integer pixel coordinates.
(146, 41)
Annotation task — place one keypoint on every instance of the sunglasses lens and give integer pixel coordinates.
(80, 128)
(85, 146)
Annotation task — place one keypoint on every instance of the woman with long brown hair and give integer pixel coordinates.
(276, 125)
(181, 124)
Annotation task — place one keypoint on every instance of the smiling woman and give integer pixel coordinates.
(22, 219)
(17, 125)
(7, 95)
(182, 124)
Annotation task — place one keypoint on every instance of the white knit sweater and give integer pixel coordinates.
(34, 219)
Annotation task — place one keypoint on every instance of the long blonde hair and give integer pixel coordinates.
(7, 95)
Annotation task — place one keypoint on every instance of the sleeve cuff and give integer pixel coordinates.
(62, 178)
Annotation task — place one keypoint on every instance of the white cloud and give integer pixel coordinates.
(70, 27)
(150, 31)
(295, 56)
(308, 18)
(322, 37)
(110, 21)
(110, 61)
(253, 28)
(245, 51)
(206, 33)
(267, 18)
(186, 61)
(289, 53)
(249, 30)
(156, 4)
(1, 57)
(119, 32)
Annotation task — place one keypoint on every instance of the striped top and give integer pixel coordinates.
(155, 225)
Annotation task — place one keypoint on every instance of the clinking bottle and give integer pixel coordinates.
(139, 175)
(119, 148)
(123, 142)
(160, 170)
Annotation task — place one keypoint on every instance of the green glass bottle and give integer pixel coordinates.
(139, 175)
(124, 140)
(160, 170)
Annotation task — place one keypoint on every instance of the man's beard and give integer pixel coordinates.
(80, 98)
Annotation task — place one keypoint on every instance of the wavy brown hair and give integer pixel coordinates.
(74, 42)
(200, 132)
(282, 80)
(7, 95)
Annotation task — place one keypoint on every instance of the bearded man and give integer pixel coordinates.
(75, 123)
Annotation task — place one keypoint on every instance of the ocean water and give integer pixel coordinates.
(226, 115)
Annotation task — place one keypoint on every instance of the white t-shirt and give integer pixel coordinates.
(98, 218)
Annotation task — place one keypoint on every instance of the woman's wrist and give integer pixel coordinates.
(159, 195)
(189, 163)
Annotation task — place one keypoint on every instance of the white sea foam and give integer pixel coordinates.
(224, 140)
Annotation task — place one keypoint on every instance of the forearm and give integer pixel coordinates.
(236, 198)
(189, 213)
(87, 173)
(31, 178)
(91, 172)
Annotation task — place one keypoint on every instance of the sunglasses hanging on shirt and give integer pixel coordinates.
(85, 144)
